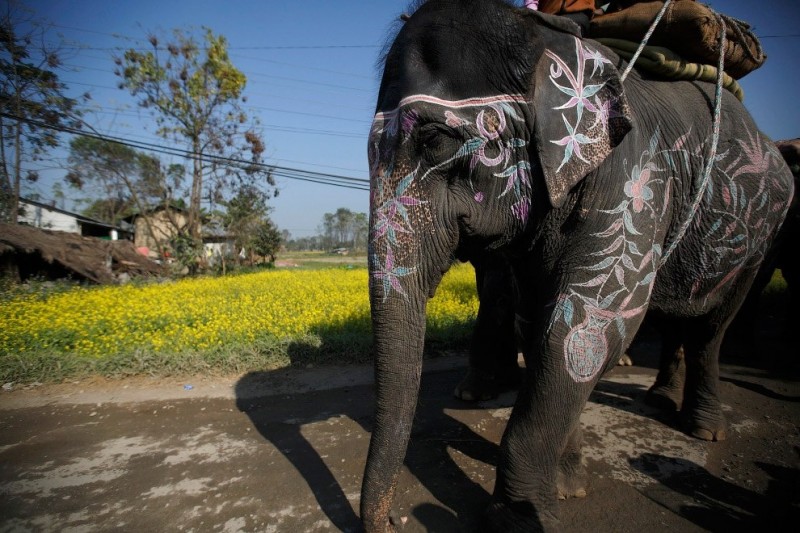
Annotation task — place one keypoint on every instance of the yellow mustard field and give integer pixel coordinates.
(206, 314)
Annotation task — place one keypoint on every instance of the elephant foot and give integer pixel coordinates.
(664, 397)
(388, 527)
(712, 428)
(520, 516)
(478, 386)
(625, 360)
(572, 478)
(572, 484)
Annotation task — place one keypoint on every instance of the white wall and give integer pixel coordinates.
(41, 217)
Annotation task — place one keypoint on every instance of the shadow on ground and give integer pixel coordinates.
(454, 463)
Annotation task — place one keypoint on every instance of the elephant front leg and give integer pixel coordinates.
(540, 455)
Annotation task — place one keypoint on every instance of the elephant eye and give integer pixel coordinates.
(434, 140)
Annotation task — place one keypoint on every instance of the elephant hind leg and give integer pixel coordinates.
(493, 353)
(493, 367)
(481, 384)
(667, 391)
(701, 412)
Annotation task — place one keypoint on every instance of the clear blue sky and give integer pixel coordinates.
(312, 79)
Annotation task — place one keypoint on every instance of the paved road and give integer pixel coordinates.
(285, 452)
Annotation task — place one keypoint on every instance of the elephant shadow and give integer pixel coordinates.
(714, 504)
(437, 437)
(441, 441)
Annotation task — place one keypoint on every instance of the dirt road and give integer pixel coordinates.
(285, 452)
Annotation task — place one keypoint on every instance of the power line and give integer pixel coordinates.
(261, 48)
(279, 171)
(333, 117)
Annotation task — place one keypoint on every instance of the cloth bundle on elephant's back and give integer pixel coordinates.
(688, 28)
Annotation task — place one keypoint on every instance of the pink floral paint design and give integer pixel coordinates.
(581, 96)
(396, 197)
(740, 210)
(392, 215)
(390, 275)
(741, 205)
(572, 143)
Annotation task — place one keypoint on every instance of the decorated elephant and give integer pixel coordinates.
(500, 130)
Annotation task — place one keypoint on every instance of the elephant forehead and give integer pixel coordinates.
(487, 113)
(417, 99)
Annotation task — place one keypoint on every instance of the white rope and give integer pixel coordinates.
(712, 155)
(645, 39)
(701, 183)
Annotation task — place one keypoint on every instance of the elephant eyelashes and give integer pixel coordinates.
(434, 141)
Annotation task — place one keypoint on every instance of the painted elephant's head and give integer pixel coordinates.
(487, 117)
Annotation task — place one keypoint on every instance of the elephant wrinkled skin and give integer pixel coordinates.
(499, 130)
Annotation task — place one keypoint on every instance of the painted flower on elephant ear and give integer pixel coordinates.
(597, 59)
(579, 93)
(572, 143)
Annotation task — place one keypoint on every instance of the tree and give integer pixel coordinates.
(360, 231)
(122, 180)
(59, 198)
(246, 213)
(33, 104)
(267, 240)
(196, 95)
(304, 244)
(106, 170)
(345, 228)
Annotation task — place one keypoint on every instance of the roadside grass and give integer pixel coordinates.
(264, 320)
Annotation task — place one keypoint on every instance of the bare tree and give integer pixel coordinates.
(33, 103)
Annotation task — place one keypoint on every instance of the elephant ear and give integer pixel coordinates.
(580, 112)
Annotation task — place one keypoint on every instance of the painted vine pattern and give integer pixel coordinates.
(620, 274)
(736, 218)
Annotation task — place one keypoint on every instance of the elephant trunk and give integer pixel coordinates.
(398, 367)
(401, 282)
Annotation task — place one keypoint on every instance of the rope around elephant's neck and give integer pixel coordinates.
(700, 188)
